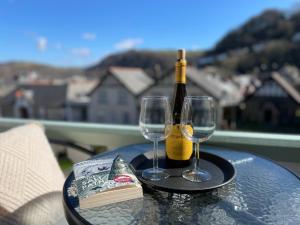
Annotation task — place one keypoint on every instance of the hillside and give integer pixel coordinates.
(9, 70)
(269, 25)
(155, 63)
(264, 43)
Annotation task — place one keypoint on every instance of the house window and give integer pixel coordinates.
(126, 118)
(101, 117)
(102, 97)
(268, 115)
(297, 112)
(155, 118)
(113, 117)
(24, 112)
(122, 98)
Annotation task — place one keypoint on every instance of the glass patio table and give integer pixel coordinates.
(262, 192)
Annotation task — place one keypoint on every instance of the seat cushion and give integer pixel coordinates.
(30, 178)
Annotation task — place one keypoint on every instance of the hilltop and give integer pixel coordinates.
(10, 69)
(266, 42)
(155, 63)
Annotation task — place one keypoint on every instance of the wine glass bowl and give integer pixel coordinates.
(198, 112)
(155, 122)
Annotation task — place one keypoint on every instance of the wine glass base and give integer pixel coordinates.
(196, 175)
(155, 174)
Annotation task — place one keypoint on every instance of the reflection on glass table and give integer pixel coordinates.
(262, 193)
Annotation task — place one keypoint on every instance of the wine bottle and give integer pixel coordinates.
(178, 149)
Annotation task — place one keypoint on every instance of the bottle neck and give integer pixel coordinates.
(180, 71)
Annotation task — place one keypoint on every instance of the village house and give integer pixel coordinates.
(206, 81)
(78, 99)
(40, 101)
(274, 106)
(115, 98)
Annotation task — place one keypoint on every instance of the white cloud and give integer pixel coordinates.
(128, 43)
(81, 52)
(42, 43)
(88, 36)
(195, 47)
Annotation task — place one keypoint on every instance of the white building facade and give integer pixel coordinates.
(115, 99)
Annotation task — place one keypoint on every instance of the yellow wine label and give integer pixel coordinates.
(180, 72)
(177, 146)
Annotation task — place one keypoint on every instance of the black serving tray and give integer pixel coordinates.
(221, 170)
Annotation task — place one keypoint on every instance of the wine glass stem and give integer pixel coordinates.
(155, 158)
(197, 155)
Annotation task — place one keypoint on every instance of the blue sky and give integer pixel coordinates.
(81, 32)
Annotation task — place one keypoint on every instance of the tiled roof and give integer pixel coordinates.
(287, 86)
(222, 89)
(292, 75)
(43, 95)
(48, 95)
(134, 79)
(78, 90)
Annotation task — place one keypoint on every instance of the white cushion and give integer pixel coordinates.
(30, 178)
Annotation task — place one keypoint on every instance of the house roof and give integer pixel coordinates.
(283, 81)
(48, 96)
(247, 83)
(292, 75)
(222, 89)
(287, 86)
(134, 79)
(225, 91)
(78, 90)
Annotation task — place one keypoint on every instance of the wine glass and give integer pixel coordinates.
(155, 124)
(198, 112)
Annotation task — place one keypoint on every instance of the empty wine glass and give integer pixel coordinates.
(198, 112)
(155, 123)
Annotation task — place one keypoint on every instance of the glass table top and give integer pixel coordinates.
(261, 193)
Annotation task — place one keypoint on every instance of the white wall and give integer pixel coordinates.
(105, 105)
